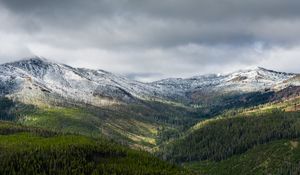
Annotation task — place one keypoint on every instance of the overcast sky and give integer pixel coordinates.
(153, 39)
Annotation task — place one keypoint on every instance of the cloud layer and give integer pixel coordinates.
(152, 39)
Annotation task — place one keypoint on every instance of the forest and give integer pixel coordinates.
(27, 150)
(219, 139)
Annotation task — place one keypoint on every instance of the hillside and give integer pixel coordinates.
(219, 139)
(244, 141)
(136, 125)
(276, 157)
(27, 150)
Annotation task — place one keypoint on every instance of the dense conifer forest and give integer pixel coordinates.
(27, 150)
(221, 138)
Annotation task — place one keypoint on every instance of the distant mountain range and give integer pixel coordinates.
(32, 78)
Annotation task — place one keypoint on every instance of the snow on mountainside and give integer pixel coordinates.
(254, 80)
(38, 76)
(76, 83)
(257, 79)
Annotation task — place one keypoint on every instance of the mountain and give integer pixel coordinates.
(96, 102)
(38, 76)
(252, 80)
(39, 92)
(83, 85)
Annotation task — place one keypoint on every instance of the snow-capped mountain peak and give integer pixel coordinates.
(79, 84)
(259, 74)
(247, 80)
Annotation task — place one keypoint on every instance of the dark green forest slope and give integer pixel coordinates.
(221, 138)
(276, 157)
(26, 150)
(256, 140)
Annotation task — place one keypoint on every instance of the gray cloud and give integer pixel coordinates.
(142, 38)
